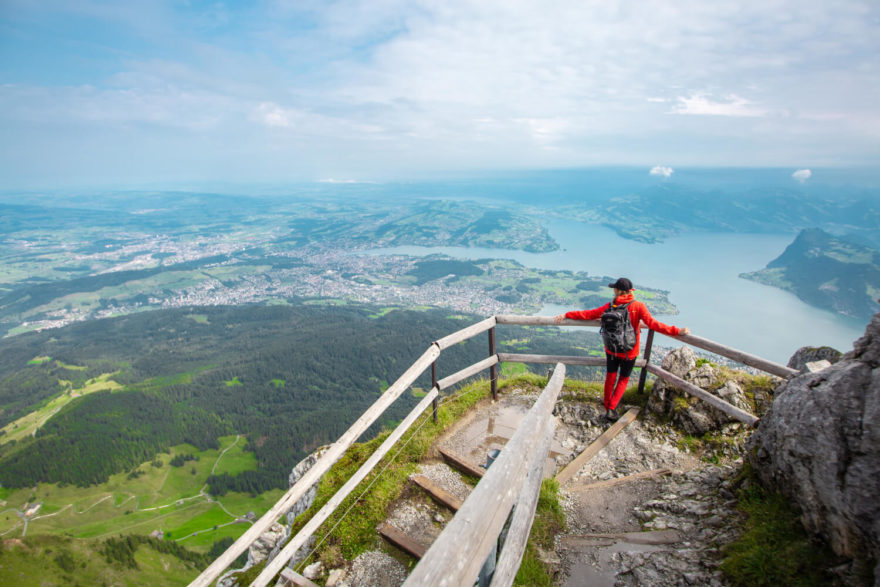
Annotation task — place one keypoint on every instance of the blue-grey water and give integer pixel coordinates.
(701, 272)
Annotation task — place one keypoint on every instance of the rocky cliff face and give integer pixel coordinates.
(820, 445)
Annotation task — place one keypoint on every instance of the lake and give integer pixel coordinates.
(701, 272)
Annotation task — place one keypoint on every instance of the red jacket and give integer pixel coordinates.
(637, 312)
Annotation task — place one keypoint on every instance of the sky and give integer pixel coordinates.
(151, 92)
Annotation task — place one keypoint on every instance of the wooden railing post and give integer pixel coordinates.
(644, 375)
(493, 370)
(434, 386)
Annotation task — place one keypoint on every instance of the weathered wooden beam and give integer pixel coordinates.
(523, 515)
(276, 564)
(403, 541)
(451, 380)
(713, 400)
(465, 333)
(619, 480)
(438, 493)
(461, 463)
(313, 475)
(553, 359)
(737, 355)
(293, 578)
(573, 467)
(457, 554)
(545, 321)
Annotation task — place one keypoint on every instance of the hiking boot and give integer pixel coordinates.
(612, 415)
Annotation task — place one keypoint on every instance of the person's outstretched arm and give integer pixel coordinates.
(582, 314)
(653, 324)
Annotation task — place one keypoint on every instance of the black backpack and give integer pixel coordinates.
(617, 329)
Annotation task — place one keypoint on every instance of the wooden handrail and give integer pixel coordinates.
(738, 355)
(693, 340)
(465, 333)
(457, 554)
(523, 515)
(448, 382)
(553, 359)
(542, 321)
(277, 564)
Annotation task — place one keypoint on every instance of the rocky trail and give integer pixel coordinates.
(641, 511)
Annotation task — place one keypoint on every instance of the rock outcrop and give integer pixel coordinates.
(261, 547)
(811, 354)
(820, 445)
(693, 416)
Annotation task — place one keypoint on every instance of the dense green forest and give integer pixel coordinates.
(290, 378)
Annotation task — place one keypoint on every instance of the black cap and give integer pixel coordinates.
(623, 284)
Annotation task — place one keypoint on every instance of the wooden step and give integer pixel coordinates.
(403, 541)
(462, 464)
(291, 577)
(620, 480)
(438, 493)
(573, 467)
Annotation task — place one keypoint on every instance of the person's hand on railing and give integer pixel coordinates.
(558, 319)
(684, 330)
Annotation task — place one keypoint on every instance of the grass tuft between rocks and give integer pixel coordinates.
(774, 548)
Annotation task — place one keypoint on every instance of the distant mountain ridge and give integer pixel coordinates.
(827, 271)
(654, 214)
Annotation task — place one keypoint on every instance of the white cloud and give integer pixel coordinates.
(273, 115)
(802, 175)
(731, 105)
(662, 171)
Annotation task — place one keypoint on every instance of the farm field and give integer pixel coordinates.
(156, 496)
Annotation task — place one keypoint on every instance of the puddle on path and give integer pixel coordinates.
(495, 427)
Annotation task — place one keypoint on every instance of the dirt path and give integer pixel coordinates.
(630, 524)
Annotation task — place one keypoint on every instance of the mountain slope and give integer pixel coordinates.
(827, 272)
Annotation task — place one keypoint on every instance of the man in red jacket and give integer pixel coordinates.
(620, 365)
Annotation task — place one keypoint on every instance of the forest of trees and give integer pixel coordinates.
(290, 378)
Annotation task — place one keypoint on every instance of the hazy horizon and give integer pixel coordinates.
(727, 178)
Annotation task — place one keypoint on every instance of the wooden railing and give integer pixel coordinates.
(514, 478)
(457, 554)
